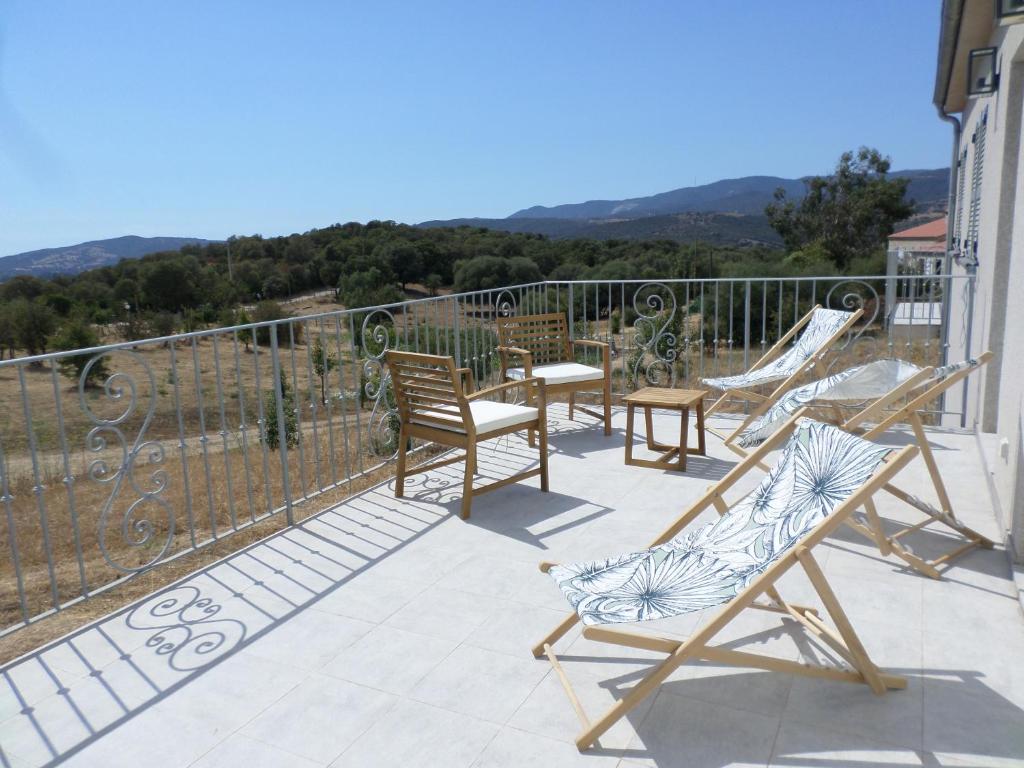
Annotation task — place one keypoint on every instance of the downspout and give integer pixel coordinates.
(947, 261)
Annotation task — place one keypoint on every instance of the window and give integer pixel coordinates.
(976, 173)
(957, 215)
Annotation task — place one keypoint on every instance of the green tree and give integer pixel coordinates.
(33, 323)
(291, 422)
(848, 214)
(271, 310)
(367, 288)
(323, 363)
(77, 333)
(486, 272)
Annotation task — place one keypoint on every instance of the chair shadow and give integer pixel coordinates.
(729, 693)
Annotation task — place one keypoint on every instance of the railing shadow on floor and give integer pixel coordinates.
(63, 697)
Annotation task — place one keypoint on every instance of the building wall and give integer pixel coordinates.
(995, 398)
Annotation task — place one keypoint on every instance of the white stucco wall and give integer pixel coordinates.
(996, 397)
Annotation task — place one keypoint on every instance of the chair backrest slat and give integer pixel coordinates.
(544, 336)
(427, 388)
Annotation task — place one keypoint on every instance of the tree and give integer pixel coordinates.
(323, 363)
(33, 324)
(484, 272)
(170, 284)
(367, 288)
(77, 333)
(849, 214)
(271, 310)
(291, 424)
(8, 336)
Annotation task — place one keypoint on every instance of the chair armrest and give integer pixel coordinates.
(606, 351)
(467, 374)
(504, 352)
(507, 385)
(515, 351)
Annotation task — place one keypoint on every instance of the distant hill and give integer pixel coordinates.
(747, 195)
(730, 211)
(717, 228)
(72, 259)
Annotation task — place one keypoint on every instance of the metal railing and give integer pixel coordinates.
(118, 458)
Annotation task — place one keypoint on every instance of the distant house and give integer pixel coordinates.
(922, 249)
(979, 90)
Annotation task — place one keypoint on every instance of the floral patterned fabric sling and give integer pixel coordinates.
(824, 323)
(819, 468)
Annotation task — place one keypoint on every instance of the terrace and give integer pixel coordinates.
(370, 630)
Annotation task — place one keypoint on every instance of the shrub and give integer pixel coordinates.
(291, 426)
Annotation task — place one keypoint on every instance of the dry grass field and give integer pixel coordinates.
(203, 480)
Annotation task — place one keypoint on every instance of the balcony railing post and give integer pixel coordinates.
(282, 431)
(456, 325)
(746, 327)
(572, 315)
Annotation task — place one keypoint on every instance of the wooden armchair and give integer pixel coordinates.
(433, 405)
(542, 344)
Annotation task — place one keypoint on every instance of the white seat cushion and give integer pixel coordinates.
(487, 416)
(560, 373)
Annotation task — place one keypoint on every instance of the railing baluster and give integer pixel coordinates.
(182, 443)
(297, 410)
(203, 440)
(12, 535)
(68, 480)
(224, 433)
(37, 487)
(262, 417)
(314, 411)
(243, 428)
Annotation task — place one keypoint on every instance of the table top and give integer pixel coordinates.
(666, 397)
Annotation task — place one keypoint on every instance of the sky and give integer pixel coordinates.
(207, 119)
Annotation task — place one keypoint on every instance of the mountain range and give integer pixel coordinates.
(72, 259)
(726, 211)
(730, 211)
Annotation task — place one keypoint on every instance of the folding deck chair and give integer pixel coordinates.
(824, 327)
(821, 477)
(879, 386)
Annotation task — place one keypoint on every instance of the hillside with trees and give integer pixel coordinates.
(838, 227)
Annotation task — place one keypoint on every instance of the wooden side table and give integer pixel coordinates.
(681, 400)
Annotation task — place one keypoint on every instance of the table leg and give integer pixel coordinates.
(700, 428)
(649, 422)
(684, 427)
(629, 433)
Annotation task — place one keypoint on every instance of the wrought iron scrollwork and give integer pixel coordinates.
(187, 627)
(376, 341)
(851, 295)
(505, 304)
(139, 524)
(655, 305)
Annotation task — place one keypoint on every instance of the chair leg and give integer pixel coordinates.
(400, 470)
(572, 404)
(467, 481)
(542, 430)
(607, 406)
(531, 438)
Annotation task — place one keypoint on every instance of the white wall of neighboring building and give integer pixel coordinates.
(995, 399)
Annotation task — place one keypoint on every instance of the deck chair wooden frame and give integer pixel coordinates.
(884, 420)
(433, 405)
(765, 401)
(884, 413)
(543, 339)
(840, 638)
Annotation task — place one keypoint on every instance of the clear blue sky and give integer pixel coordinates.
(218, 117)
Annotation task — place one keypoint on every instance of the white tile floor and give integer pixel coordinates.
(391, 633)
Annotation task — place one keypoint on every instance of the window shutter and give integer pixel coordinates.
(976, 176)
(958, 213)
